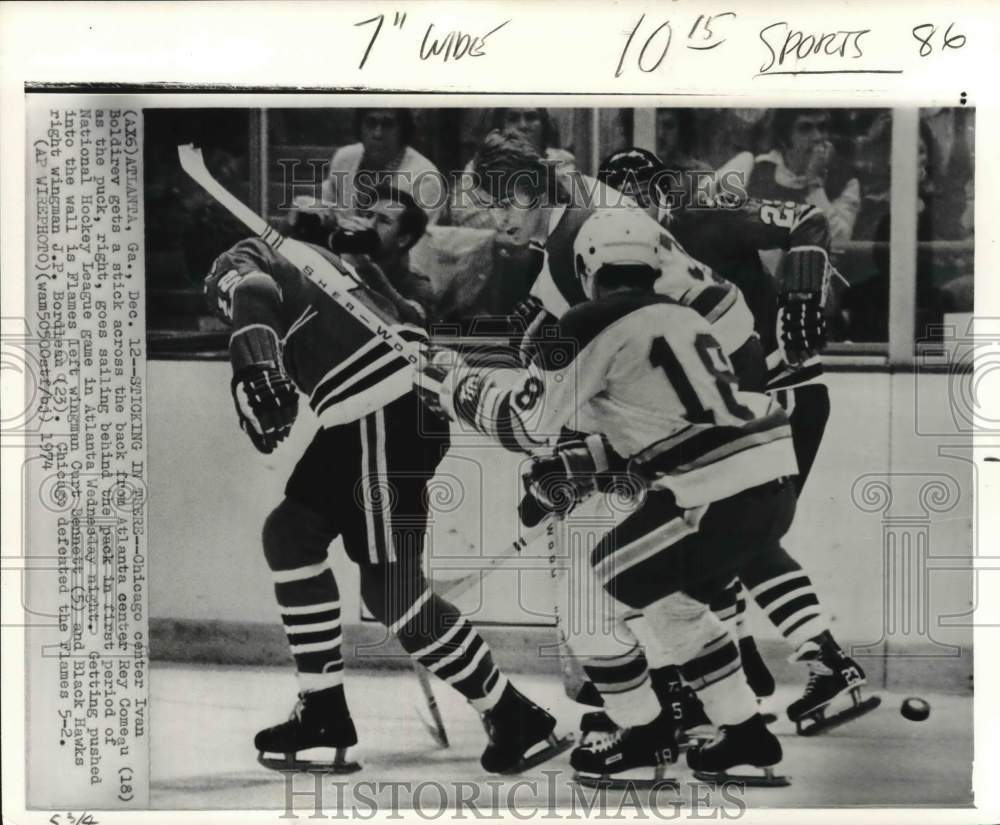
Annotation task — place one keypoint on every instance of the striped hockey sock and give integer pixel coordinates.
(731, 607)
(622, 677)
(309, 603)
(441, 639)
(791, 603)
(716, 675)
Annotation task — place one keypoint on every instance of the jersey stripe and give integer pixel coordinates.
(706, 463)
(384, 503)
(699, 445)
(369, 479)
(364, 357)
(388, 371)
(713, 301)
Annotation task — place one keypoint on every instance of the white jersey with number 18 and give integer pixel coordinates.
(649, 374)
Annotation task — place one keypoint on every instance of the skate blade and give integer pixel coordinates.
(637, 779)
(822, 723)
(551, 747)
(294, 762)
(767, 778)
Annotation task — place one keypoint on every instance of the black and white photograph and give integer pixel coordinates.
(665, 374)
(410, 453)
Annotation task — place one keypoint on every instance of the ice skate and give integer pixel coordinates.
(683, 705)
(627, 757)
(515, 726)
(833, 693)
(595, 726)
(315, 737)
(745, 753)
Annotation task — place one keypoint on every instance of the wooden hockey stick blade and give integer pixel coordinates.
(307, 260)
(570, 666)
(437, 730)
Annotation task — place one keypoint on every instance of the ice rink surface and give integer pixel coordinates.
(206, 717)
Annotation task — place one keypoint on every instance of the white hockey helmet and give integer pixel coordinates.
(615, 237)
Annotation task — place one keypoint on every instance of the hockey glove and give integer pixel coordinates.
(531, 511)
(452, 388)
(559, 482)
(803, 280)
(266, 399)
(802, 328)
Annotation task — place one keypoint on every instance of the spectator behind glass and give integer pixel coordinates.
(675, 133)
(865, 310)
(383, 156)
(798, 168)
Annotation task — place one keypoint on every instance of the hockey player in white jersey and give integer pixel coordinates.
(715, 463)
(787, 314)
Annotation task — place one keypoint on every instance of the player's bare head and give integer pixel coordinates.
(398, 216)
(510, 169)
(385, 225)
(617, 249)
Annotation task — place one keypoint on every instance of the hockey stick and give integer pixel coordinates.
(311, 263)
(437, 729)
(573, 676)
(454, 588)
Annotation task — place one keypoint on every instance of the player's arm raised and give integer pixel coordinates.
(803, 275)
(250, 300)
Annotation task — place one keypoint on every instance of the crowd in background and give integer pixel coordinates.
(837, 159)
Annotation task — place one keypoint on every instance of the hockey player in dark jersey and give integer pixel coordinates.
(363, 478)
(788, 318)
(648, 376)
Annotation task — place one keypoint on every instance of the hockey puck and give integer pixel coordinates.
(915, 709)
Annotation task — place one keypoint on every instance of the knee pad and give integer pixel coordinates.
(674, 629)
(295, 536)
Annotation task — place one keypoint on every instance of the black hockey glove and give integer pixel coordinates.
(266, 399)
(559, 482)
(803, 281)
(802, 328)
